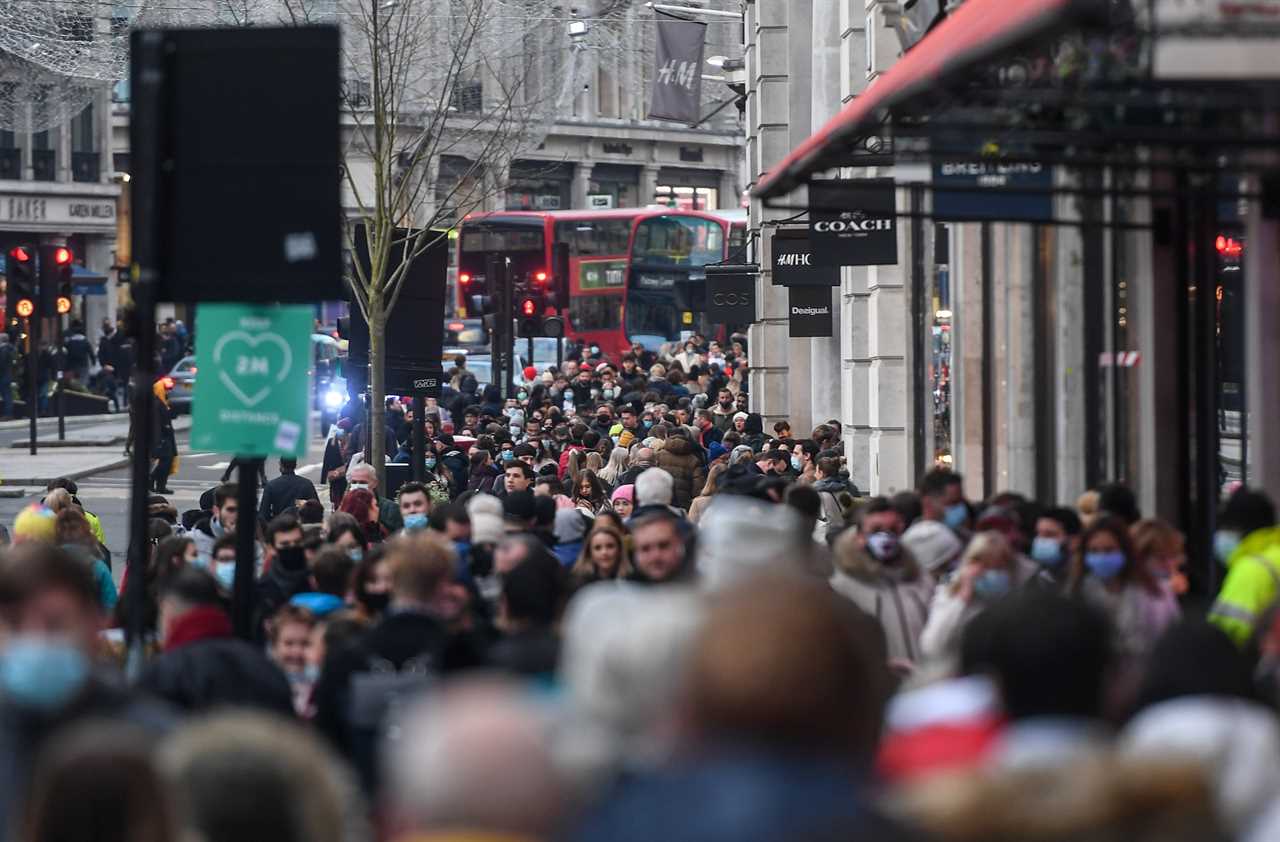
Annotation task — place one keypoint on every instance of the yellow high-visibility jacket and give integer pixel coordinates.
(1251, 587)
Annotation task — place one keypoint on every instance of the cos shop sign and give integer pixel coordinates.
(731, 294)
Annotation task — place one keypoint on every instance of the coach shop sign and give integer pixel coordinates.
(853, 222)
(810, 309)
(794, 264)
(731, 294)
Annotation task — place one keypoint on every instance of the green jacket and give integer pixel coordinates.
(1251, 587)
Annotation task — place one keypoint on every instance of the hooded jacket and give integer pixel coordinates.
(1252, 585)
(680, 459)
(896, 595)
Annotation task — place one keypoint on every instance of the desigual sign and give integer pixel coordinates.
(853, 222)
(57, 210)
(810, 312)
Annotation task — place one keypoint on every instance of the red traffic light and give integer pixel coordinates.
(464, 279)
(1228, 246)
(62, 256)
(20, 254)
(540, 277)
(529, 307)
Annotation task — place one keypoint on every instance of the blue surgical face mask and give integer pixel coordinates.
(311, 673)
(1047, 551)
(992, 584)
(956, 515)
(431, 462)
(1225, 542)
(568, 394)
(418, 520)
(796, 464)
(42, 673)
(522, 396)
(883, 546)
(1106, 565)
(225, 573)
(508, 456)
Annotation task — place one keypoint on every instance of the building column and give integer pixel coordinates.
(1068, 353)
(581, 183)
(768, 142)
(730, 194)
(1262, 348)
(648, 184)
(967, 428)
(799, 127)
(825, 352)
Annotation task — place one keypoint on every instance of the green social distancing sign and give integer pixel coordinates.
(253, 390)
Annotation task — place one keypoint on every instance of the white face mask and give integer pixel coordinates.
(358, 486)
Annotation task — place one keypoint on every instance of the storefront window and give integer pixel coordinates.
(687, 198)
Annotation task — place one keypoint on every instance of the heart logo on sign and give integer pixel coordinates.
(272, 339)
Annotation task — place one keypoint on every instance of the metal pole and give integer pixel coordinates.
(988, 367)
(147, 84)
(419, 437)
(33, 378)
(246, 548)
(921, 343)
(62, 413)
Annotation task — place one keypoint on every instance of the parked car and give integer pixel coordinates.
(467, 335)
(181, 383)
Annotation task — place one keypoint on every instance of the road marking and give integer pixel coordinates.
(216, 466)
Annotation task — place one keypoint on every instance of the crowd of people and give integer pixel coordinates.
(618, 609)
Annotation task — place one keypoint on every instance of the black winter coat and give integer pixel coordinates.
(217, 672)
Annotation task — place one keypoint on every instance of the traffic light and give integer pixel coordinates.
(529, 313)
(20, 275)
(55, 280)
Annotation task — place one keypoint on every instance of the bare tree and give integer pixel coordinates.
(425, 79)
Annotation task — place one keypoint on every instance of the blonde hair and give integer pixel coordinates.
(1087, 506)
(419, 563)
(58, 499)
(988, 546)
(584, 569)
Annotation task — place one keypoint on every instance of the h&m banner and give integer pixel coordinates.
(677, 77)
(853, 222)
(793, 263)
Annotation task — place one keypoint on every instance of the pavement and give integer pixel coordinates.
(90, 448)
(105, 484)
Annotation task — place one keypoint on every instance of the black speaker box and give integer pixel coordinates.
(246, 183)
(415, 329)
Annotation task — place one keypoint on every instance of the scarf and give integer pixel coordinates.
(207, 622)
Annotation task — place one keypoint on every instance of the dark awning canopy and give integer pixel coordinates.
(1046, 81)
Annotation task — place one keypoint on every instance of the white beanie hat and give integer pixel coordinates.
(933, 544)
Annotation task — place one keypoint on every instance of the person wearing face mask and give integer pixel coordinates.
(47, 678)
(1248, 544)
(286, 574)
(289, 639)
(203, 665)
(346, 534)
(1057, 532)
(942, 499)
(880, 576)
(1105, 572)
(987, 572)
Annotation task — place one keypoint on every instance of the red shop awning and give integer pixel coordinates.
(976, 31)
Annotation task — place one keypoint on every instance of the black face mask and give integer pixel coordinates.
(726, 404)
(292, 558)
(376, 603)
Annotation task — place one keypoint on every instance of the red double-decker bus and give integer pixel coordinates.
(630, 275)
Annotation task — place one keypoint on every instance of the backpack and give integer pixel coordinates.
(830, 516)
(379, 697)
